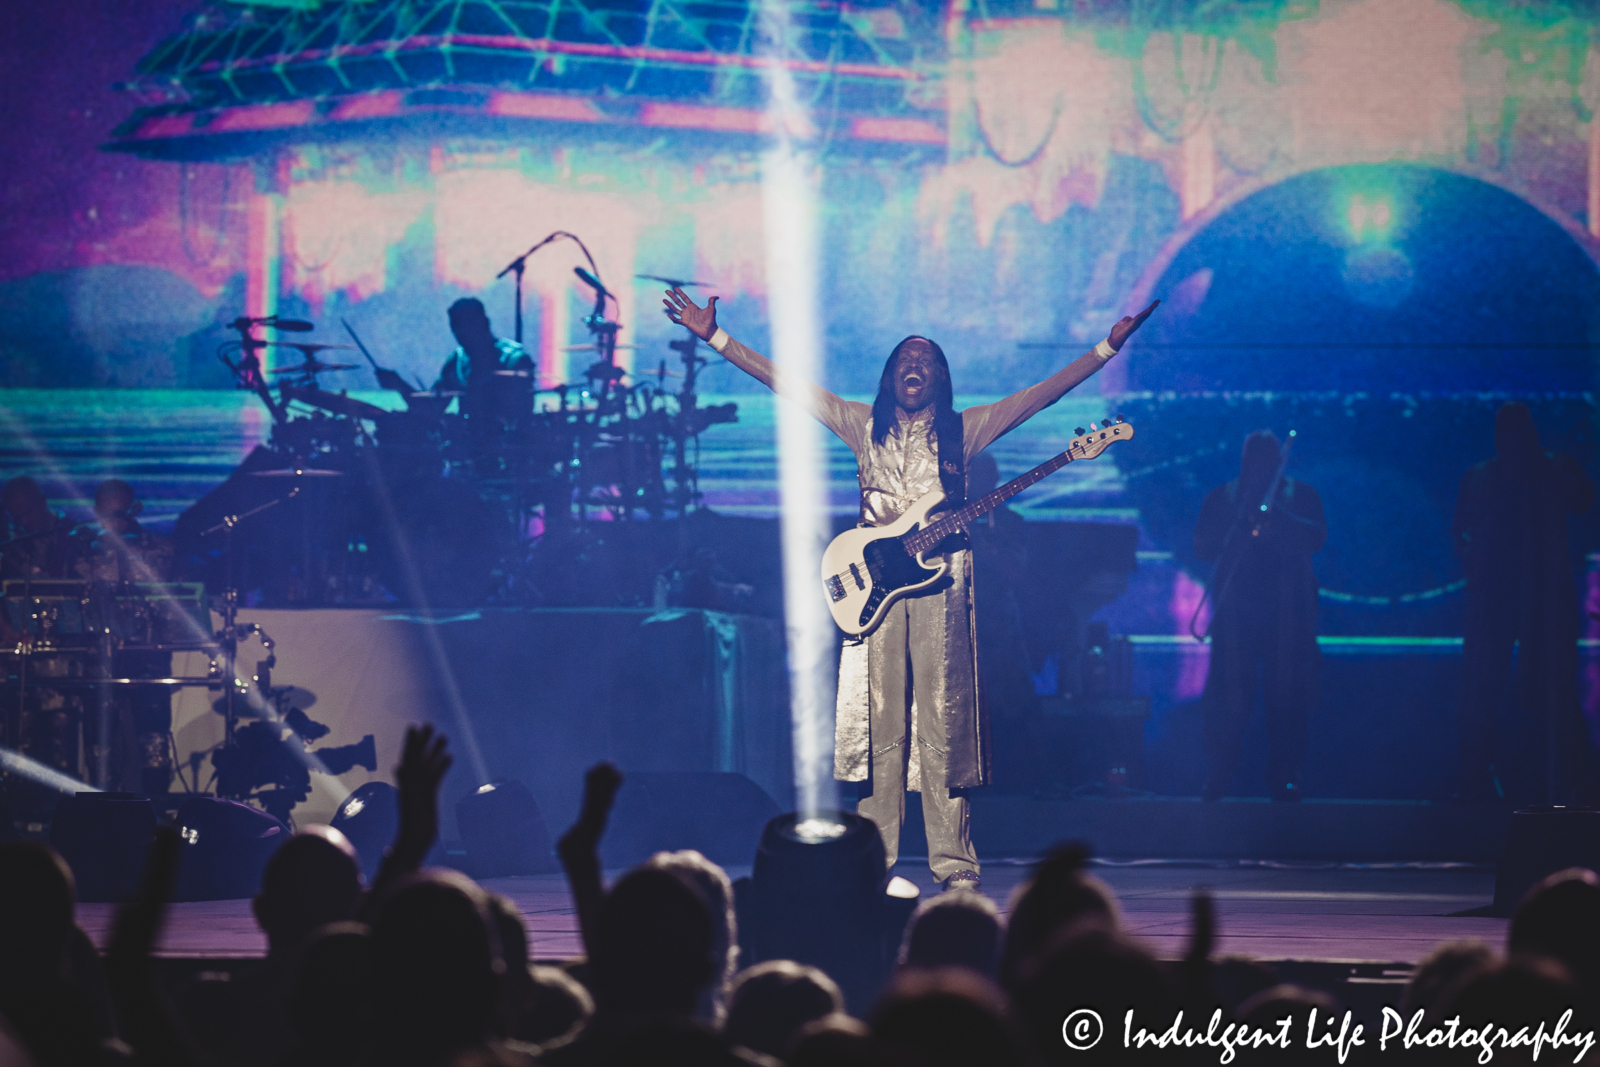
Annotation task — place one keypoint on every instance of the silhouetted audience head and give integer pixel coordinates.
(1560, 918)
(950, 1017)
(675, 1041)
(960, 929)
(653, 949)
(1060, 892)
(1267, 1010)
(56, 1009)
(25, 500)
(1235, 979)
(558, 1006)
(329, 1009)
(772, 1001)
(1441, 969)
(1089, 965)
(1521, 991)
(713, 884)
(37, 898)
(312, 880)
(843, 1041)
(516, 990)
(1515, 434)
(436, 969)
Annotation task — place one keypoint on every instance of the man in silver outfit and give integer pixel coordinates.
(910, 713)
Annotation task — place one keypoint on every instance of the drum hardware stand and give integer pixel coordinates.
(232, 631)
(604, 372)
(686, 483)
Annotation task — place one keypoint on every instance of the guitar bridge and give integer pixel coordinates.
(835, 588)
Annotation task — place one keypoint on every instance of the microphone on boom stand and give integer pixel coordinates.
(600, 291)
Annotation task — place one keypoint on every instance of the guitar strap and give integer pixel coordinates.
(950, 442)
(948, 433)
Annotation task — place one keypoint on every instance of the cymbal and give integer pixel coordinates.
(674, 282)
(308, 347)
(594, 347)
(298, 472)
(312, 366)
(436, 394)
(514, 373)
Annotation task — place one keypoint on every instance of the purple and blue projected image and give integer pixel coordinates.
(1168, 427)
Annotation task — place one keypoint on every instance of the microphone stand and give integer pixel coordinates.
(518, 265)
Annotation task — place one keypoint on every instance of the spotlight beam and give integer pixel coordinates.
(789, 217)
(14, 762)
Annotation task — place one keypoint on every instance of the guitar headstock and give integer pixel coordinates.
(1089, 444)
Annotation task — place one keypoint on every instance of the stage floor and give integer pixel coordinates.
(1383, 915)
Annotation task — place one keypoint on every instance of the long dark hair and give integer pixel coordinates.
(947, 430)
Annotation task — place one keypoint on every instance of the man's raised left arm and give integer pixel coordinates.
(986, 423)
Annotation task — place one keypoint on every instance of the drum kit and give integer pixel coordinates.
(73, 643)
(468, 473)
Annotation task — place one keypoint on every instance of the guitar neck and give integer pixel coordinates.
(963, 517)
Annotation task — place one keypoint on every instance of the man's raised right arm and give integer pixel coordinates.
(846, 418)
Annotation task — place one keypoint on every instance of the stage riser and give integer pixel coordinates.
(538, 696)
(1189, 829)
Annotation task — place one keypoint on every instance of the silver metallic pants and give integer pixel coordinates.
(909, 737)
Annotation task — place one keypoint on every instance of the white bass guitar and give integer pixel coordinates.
(867, 569)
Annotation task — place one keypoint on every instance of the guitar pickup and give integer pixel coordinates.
(835, 588)
(855, 572)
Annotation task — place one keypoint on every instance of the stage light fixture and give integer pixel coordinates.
(104, 837)
(226, 846)
(369, 817)
(504, 831)
(819, 893)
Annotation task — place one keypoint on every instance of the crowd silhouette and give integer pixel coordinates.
(425, 968)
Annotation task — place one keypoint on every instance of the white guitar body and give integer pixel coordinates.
(865, 570)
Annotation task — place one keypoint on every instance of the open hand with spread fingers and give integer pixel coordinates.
(681, 309)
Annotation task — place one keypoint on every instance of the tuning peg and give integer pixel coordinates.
(1119, 418)
(1078, 431)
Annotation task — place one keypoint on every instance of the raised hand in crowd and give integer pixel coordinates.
(147, 1022)
(424, 760)
(579, 847)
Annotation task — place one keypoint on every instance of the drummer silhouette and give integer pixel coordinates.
(493, 375)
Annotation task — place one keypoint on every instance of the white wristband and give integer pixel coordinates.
(719, 340)
(1103, 351)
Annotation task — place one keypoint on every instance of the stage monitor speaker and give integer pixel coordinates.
(718, 814)
(226, 846)
(104, 837)
(369, 817)
(503, 832)
(1539, 842)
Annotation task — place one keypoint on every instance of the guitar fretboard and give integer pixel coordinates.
(962, 517)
